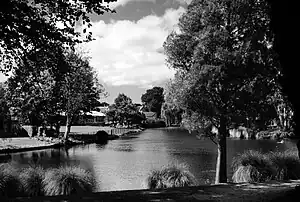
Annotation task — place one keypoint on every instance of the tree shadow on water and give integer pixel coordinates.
(101, 146)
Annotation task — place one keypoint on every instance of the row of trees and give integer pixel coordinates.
(163, 102)
(39, 94)
(37, 43)
(227, 72)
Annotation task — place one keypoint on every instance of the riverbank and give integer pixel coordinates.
(12, 145)
(272, 192)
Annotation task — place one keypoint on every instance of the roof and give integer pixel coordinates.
(149, 114)
(91, 113)
(95, 113)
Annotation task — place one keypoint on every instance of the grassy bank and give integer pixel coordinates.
(36, 181)
(9, 145)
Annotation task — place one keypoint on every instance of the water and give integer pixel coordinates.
(125, 163)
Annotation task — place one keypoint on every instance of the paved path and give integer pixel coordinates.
(271, 192)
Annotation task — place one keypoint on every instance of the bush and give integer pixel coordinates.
(32, 180)
(9, 182)
(171, 176)
(287, 165)
(68, 180)
(252, 166)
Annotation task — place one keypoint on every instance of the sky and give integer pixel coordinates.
(127, 52)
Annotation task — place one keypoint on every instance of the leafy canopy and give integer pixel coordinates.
(153, 98)
(31, 24)
(225, 62)
(124, 111)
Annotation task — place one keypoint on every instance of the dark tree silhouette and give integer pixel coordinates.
(284, 18)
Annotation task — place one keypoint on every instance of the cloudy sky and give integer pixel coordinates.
(127, 52)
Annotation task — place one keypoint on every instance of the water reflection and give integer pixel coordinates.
(126, 162)
(5, 158)
(100, 146)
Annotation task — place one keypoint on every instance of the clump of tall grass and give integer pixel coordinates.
(171, 176)
(252, 166)
(9, 182)
(32, 180)
(68, 180)
(287, 165)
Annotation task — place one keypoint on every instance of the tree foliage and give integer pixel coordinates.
(33, 88)
(27, 25)
(4, 109)
(153, 99)
(123, 111)
(39, 93)
(226, 66)
(170, 109)
(80, 88)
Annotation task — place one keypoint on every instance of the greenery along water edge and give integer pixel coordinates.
(249, 167)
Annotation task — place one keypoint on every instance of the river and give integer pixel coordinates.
(125, 163)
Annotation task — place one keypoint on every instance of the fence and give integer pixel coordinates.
(110, 131)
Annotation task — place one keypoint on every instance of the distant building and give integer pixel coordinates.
(92, 117)
(103, 109)
(150, 115)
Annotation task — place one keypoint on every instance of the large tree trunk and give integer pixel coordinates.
(34, 130)
(57, 129)
(221, 167)
(68, 127)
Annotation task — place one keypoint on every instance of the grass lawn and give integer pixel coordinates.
(24, 142)
(85, 129)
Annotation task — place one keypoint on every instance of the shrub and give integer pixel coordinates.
(252, 166)
(9, 182)
(32, 180)
(68, 180)
(171, 176)
(287, 165)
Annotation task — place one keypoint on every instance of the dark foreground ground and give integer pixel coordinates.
(273, 191)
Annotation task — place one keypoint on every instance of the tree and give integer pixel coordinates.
(103, 104)
(124, 111)
(153, 99)
(5, 118)
(171, 113)
(226, 67)
(28, 25)
(79, 88)
(39, 93)
(33, 88)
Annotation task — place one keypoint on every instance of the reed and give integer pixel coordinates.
(177, 175)
(68, 180)
(252, 166)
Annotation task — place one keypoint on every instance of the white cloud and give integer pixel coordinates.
(114, 5)
(3, 78)
(126, 52)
